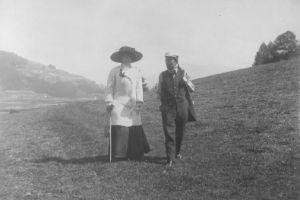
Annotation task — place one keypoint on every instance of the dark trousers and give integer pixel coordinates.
(174, 119)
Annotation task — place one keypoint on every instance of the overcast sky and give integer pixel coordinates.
(80, 35)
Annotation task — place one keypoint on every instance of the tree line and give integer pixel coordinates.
(284, 47)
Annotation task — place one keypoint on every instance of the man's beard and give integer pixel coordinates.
(170, 67)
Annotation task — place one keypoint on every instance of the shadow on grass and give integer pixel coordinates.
(155, 160)
(76, 161)
(97, 159)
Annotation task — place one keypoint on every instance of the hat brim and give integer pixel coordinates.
(117, 56)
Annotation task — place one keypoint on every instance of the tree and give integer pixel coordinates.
(284, 47)
(273, 55)
(297, 51)
(262, 55)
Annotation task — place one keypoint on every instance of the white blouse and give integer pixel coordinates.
(124, 89)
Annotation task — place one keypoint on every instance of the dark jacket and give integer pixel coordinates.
(174, 91)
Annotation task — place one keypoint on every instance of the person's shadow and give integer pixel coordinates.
(155, 159)
(75, 161)
(96, 159)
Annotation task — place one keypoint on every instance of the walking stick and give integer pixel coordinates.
(110, 156)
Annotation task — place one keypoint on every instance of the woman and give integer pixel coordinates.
(124, 99)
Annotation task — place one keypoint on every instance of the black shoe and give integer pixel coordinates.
(170, 164)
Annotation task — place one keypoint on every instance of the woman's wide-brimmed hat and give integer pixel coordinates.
(125, 50)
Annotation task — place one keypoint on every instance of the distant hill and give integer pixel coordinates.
(18, 73)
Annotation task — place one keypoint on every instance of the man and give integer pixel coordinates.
(174, 89)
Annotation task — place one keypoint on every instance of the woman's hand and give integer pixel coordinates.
(138, 107)
(109, 107)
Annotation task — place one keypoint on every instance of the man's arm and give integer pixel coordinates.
(188, 82)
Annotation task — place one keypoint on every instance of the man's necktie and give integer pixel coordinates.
(172, 72)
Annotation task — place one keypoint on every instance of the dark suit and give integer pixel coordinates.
(176, 109)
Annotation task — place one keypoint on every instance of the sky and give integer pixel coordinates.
(80, 35)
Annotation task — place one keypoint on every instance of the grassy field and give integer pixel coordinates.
(245, 146)
(20, 100)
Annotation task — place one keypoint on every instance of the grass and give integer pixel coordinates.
(13, 101)
(245, 145)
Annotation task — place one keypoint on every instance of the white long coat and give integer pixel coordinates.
(124, 89)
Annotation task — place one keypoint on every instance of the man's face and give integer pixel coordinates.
(170, 63)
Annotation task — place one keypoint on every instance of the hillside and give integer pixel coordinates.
(245, 145)
(17, 73)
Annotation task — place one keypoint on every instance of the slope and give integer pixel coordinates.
(18, 73)
(245, 145)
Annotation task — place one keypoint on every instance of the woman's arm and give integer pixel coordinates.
(109, 90)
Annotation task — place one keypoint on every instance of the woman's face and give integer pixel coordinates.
(126, 59)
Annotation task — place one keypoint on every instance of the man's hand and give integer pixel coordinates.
(191, 86)
(186, 77)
